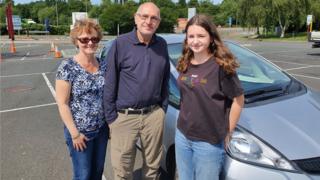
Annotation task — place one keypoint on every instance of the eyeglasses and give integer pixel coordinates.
(86, 40)
(154, 19)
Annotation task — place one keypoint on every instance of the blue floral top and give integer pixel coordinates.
(86, 94)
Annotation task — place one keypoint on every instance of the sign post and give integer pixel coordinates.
(9, 21)
(78, 16)
(309, 22)
(191, 13)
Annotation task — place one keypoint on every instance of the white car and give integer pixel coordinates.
(278, 134)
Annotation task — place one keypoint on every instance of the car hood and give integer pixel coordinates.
(291, 126)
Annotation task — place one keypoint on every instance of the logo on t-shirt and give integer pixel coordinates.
(193, 80)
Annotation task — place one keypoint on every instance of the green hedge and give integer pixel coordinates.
(60, 30)
(3, 29)
(54, 30)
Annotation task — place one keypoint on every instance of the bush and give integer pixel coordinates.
(3, 29)
(60, 30)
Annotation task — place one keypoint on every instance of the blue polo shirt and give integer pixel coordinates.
(137, 74)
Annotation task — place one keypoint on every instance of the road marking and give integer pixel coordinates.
(40, 58)
(103, 177)
(311, 77)
(49, 85)
(292, 63)
(301, 67)
(18, 75)
(270, 52)
(23, 45)
(24, 57)
(28, 107)
(246, 45)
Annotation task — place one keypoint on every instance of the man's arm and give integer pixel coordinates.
(111, 85)
(165, 85)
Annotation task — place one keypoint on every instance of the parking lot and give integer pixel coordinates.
(32, 143)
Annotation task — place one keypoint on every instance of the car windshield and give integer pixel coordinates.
(259, 78)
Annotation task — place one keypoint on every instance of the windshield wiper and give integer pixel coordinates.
(264, 93)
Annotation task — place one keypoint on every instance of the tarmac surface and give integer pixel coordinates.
(32, 142)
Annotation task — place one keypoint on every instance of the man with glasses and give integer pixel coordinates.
(136, 95)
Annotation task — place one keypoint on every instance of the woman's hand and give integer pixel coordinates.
(79, 142)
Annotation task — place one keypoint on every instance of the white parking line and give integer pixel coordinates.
(311, 77)
(18, 75)
(49, 85)
(291, 63)
(29, 45)
(24, 57)
(28, 107)
(246, 45)
(272, 52)
(45, 57)
(301, 68)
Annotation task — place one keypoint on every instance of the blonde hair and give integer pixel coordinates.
(85, 25)
(222, 54)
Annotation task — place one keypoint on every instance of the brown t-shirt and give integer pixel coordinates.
(205, 101)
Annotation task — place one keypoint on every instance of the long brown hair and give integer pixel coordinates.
(222, 54)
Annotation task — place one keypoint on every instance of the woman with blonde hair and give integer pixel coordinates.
(79, 90)
(211, 101)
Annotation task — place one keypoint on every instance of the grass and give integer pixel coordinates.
(301, 36)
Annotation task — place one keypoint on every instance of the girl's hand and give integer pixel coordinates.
(227, 140)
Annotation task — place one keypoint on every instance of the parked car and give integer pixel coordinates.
(278, 134)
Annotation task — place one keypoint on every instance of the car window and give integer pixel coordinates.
(175, 52)
(105, 49)
(174, 93)
(255, 72)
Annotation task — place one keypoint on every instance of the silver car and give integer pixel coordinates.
(278, 134)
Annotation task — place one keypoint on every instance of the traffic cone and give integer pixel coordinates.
(12, 47)
(52, 49)
(57, 53)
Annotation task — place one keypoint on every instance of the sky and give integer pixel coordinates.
(92, 1)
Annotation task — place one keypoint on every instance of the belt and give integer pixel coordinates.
(144, 110)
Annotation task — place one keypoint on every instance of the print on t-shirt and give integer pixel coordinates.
(193, 79)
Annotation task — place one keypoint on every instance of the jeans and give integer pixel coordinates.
(89, 164)
(198, 160)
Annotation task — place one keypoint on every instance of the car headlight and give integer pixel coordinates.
(247, 148)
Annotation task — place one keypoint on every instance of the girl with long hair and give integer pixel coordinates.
(211, 101)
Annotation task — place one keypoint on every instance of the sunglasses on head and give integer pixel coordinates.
(86, 40)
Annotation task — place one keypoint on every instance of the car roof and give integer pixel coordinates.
(173, 38)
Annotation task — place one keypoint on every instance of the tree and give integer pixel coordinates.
(251, 13)
(206, 7)
(116, 14)
(193, 3)
(168, 20)
(288, 12)
(35, 8)
(182, 3)
(228, 8)
(47, 12)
